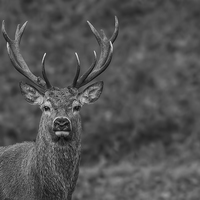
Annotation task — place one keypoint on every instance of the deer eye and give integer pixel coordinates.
(46, 108)
(76, 108)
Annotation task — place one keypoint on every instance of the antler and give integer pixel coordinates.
(98, 66)
(13, 48)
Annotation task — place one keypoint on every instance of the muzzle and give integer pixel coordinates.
(62, 126)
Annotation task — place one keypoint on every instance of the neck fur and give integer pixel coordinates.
(57, 166)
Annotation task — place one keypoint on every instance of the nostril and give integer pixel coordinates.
(61, 124)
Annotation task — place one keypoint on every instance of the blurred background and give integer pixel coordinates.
(141, 139)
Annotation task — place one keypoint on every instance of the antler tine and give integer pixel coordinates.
(85, 75)
(116, 31)
(77, 71)
(19, 32)
(97, 72)
(106, 51)
(95, 32)
(48, 84)
(103, 43)
(16, 57)
(4, 32)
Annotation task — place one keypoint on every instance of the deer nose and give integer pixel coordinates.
(61, 124)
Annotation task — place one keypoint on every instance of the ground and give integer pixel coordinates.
(174, 177)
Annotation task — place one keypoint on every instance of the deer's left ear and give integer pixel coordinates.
(91, 93)
(31, 94)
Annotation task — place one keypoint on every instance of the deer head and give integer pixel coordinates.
(60, 107)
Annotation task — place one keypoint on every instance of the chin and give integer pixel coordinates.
(62, 138)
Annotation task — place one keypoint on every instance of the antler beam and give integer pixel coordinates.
(100, 65)
(13, 48)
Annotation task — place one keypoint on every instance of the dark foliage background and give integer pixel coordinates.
(141, 139)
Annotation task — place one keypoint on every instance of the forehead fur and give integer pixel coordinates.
(63, 95)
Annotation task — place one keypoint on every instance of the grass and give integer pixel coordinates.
(172, 178)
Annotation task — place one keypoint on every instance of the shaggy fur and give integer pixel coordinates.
(48, 168)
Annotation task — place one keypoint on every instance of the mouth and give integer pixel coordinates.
(62, 137)
(62, 133)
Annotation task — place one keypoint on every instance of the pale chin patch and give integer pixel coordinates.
(62, 133)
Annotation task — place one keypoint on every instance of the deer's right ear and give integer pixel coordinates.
(31, 94)
(91, 93)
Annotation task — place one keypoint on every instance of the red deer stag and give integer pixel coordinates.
(48, 168)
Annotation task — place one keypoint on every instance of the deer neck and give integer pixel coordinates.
(55, 162)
